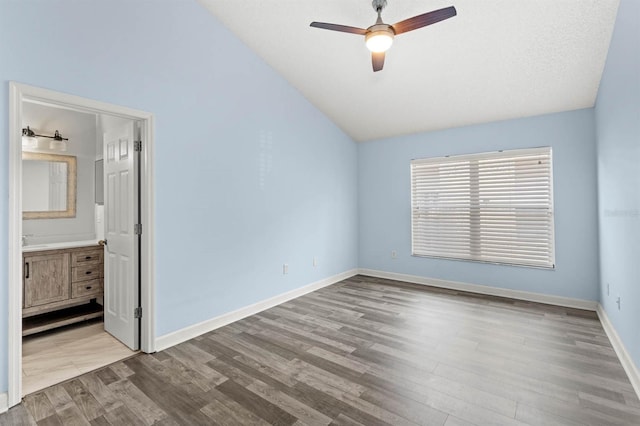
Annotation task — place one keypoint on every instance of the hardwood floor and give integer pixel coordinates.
(364, 351)
(58, 355)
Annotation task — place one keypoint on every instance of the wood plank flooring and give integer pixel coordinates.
(364, 351)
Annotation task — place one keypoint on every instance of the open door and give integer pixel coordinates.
(121, 256)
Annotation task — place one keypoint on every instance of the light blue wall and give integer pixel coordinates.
(618, 131)
(249, 175)
(384, 202)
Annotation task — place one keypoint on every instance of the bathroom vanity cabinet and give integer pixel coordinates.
(61, 287)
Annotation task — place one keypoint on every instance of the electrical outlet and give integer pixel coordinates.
(394, 254)
(285, 269)
(315, 261)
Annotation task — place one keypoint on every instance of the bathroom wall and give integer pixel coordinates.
(80, 128)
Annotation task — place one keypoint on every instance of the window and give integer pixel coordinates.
(491, 207)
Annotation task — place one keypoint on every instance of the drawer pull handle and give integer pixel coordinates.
(88, 287)
(27, 270)
(88, 272)
(87, 257)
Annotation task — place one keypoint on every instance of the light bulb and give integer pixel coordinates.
(379, 41)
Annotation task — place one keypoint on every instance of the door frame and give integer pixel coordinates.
(18, 93)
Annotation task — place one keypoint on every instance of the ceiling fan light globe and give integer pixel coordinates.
(379, 41)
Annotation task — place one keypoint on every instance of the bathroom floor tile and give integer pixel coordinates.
(54, 357)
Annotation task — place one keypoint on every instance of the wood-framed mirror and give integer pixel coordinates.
(48, 186)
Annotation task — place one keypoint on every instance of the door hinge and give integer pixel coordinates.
(137, 312)
(137, 229)
(137, 146)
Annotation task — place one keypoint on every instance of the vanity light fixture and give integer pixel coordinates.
(29, 140)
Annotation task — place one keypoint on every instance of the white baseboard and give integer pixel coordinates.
(4, 406)
(625, 358)
(482, 289)
(176, 337)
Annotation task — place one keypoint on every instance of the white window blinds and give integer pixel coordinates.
(491, 207)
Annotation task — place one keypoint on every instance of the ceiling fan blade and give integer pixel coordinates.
(424, 20)
(341, 28)
(377, 58)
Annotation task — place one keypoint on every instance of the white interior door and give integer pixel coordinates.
(121, 287)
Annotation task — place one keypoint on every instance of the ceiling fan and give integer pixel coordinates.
(379, 36)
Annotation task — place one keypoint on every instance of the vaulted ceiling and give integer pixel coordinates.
(495, 60)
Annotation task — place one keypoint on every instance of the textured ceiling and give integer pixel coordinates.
(496, 60)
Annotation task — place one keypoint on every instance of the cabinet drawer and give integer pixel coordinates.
(86, 272)
(86, 288)
(86, 257)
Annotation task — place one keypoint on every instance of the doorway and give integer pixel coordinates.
(138, 248)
